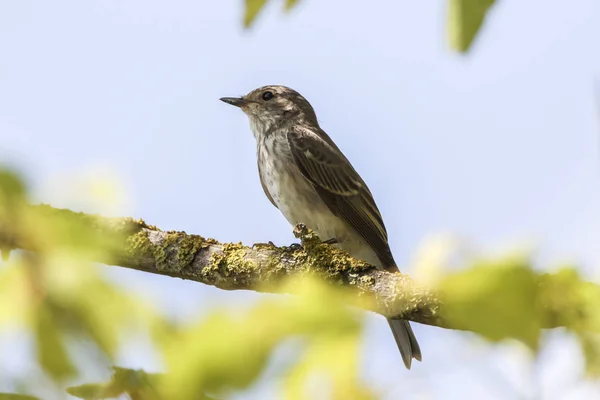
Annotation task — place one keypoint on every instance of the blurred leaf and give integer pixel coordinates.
(12, 195)
(570, 300)
(329, 363)
(465, 18)
(83, 237)
(289, 4)
(590, 344)
(86, 304)
(12, 187)
(496, 299)
(59, 292)
(5, 252)
(104, 311)
(136, 383)
(13, 396)
(51, 349)
(14, 290)
(228, 351)
(92, 309)
(253, 7)
(574, 303)
(220, 352)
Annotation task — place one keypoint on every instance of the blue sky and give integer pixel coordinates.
(499, 147)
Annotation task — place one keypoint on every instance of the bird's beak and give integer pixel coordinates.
(235, 101)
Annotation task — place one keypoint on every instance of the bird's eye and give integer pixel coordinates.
(267, 96)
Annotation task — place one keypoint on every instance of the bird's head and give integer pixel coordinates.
(272, 106)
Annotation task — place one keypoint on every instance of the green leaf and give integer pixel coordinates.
(100, 314)
(570, 301)
(228, 351)
(496, 299)
(253, 8)
(120, 310)
(289, 4)
(13, 396)
(14, 289)
(136, 383)
(11, 186)
(12, 195)
(84, 237)
(465, 18)
(86, 305)
(5, 252)
(590, 344)
(51, 350)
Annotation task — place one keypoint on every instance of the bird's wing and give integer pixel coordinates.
(340, 187)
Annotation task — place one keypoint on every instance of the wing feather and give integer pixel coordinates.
(340, 187)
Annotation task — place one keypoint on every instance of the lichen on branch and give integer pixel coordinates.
(264, 267)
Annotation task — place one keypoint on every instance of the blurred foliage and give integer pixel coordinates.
(506, 298)
(57, 295)
(134, 383)
(497, 299)
(12, 396)
(464, 20)
(253, 8)
(229, 351)
(62, 298)
(12, 193)
(579, 302)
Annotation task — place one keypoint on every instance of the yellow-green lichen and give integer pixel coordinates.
(162, 250)
(139, 244)
(364, 280)
(189, 246)
(175, 252)
(327, 260)
(230, 260)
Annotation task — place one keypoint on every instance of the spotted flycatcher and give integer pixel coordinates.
(307, 177)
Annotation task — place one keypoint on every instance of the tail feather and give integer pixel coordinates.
(406, 341)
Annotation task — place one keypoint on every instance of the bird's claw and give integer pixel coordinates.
(295, 246)
(301, 230)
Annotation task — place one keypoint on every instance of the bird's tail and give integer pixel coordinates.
(406, 341)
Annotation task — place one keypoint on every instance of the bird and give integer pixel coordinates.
(307, 177)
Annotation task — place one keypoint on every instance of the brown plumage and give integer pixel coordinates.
(308, 178)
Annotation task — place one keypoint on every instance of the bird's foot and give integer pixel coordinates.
(309, 238)
(301, 231)
(306, 235)
(295, 246)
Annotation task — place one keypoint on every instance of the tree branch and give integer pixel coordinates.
(261, 267)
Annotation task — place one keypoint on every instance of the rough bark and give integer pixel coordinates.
(232, 266)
